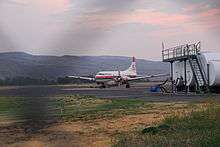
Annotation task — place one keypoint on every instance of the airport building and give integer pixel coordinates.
(191, 69)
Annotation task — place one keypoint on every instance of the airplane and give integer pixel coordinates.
(116, 78)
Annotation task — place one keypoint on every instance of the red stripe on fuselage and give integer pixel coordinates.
(104, 77)
(111, 77)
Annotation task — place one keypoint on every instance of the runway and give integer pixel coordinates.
(141, 92)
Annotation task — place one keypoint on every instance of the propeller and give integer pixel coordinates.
(118, 78)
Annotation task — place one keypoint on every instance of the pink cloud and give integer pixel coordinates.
(150, 17)
(157, 18)
(174, 24)
(209, 19)
(168, 23)
(49, 6)
(210, 12)
(192, 7)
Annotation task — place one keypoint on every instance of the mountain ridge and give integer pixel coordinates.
(13, 64)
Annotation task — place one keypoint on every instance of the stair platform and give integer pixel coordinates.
(182, 52)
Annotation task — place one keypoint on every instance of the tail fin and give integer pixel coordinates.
(132, 69)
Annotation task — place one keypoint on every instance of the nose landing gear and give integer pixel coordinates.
(101, 85)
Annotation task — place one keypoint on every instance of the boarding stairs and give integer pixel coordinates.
(189, 52)
(199, 74)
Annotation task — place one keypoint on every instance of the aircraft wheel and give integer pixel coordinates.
(103, 86)
(127, 85)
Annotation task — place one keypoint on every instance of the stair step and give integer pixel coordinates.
(195, 65)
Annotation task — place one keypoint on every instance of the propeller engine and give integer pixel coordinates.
(119, 78)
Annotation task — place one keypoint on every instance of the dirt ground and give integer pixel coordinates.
(97, 133)
(92, 133)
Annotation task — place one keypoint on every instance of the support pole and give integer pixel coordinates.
(208, 74)
(171, 63)
(185, 75)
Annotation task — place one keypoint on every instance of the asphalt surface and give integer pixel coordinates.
(114, 92)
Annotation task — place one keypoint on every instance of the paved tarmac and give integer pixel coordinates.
(114, 92)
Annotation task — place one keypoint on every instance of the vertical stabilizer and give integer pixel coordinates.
(132, 69)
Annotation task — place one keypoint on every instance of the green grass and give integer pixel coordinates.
(75, 107)
(88, 108)
(71, 107)
(199, 128)
(10, 106)
(26, 108)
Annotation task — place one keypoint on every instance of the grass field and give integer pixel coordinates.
(75, 107)
(198, 128)
(90, 121)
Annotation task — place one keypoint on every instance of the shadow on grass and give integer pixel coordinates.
(29, 113)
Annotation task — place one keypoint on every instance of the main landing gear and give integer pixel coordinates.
(103, 86)
(127, 85)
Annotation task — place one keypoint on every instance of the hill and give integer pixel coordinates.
(13, 64)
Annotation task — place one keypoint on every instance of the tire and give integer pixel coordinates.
(128, 86)
(102, 86)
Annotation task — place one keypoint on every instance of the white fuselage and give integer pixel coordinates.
(116, 77)
(111, 75)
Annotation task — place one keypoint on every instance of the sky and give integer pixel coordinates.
(107, 27)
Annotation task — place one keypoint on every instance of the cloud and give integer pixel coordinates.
(88, 26)
(51, 6)
(208, 20)
(6, 42)
(13, 2)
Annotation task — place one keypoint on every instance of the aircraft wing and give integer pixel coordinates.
(147, 77)
(83, 78)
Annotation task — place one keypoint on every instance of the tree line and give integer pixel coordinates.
(22, 81)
